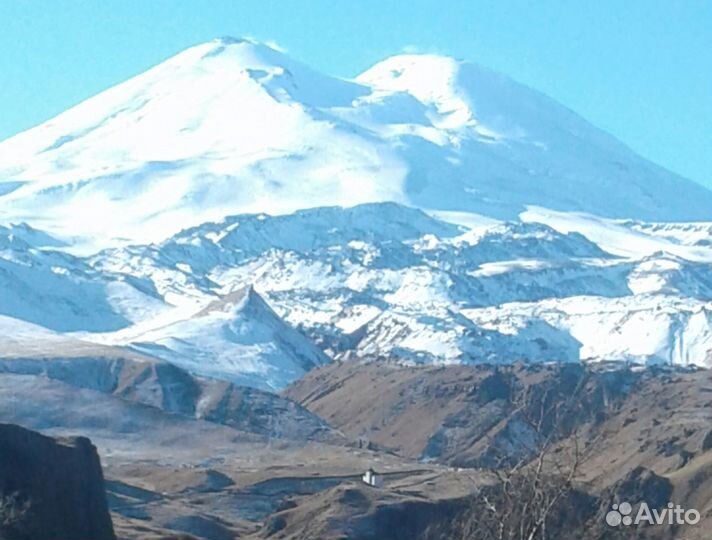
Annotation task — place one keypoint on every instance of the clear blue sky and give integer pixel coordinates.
(641, 69)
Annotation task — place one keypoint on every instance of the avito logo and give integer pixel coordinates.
(622, 514)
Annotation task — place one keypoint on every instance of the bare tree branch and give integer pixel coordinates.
(533, 481)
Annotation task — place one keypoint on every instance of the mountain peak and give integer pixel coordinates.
(231, 40)
(238, 337)
(236, 126)
(410, 64)
(241, 53)
(432, 79)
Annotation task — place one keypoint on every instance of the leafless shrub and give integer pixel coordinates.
(535, 475)
(14, 511)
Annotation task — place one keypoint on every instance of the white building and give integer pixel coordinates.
(372, 478)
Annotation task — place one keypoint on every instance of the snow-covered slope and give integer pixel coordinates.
(62, 292)
(56, 304)
(508, 146)
(237, 338)
(386, 280)
(260, 299)
(654, 329)
(233, 126)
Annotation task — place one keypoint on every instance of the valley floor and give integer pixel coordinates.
(295, 473)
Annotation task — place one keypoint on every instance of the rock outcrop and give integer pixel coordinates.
(55, 488)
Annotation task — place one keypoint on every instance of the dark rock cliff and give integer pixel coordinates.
(51, 488)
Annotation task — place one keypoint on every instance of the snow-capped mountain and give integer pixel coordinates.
(433, 293)
(247, 218)
(234, 126)
(259, 300)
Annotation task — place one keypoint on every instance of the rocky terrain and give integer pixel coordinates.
(656, 417)
(644, 435)
(51, 488)
(436, 433)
